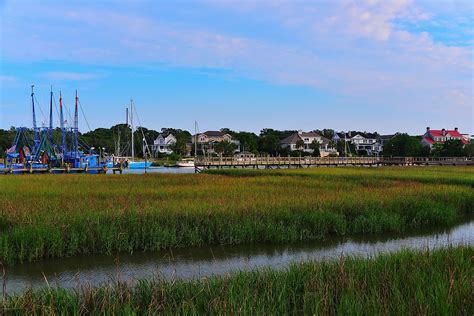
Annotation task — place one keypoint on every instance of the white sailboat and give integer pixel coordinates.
(129, 162)
(132, 164)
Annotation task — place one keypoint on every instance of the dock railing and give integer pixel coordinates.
(268, 161)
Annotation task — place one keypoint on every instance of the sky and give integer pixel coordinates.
(387, 66)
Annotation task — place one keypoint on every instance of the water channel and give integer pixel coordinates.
(156, 170)
(218, 260)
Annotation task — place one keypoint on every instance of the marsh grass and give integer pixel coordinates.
(64, 215)
(435, 282)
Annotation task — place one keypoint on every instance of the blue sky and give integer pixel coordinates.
(370, 65)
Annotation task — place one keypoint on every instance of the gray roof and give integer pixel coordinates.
(351, 134)
(310, 134)
(214, 133)
(292, 139)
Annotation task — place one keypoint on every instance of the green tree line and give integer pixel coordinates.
(266, 142)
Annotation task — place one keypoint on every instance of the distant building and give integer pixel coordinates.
(371, 143)
(439, 136)
(468, 137)
(206, 141)
(291, 143)
(163, 143)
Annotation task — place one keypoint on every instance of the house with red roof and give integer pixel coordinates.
(439, 136)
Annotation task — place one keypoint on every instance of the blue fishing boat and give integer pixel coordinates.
(35, 150)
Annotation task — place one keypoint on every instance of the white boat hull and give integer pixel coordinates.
(185, 164)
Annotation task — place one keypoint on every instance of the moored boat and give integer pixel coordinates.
(36, 150)
(185, 163)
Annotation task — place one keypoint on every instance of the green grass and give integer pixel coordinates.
(159, 162)
(436, 282)
(64, 215)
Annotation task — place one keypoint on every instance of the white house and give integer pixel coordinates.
(291, 143)
(372, 143)
(163, 143)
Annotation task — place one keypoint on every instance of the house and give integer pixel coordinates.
(371, 143)
(206, 141)
(163, 143)
(306, 139)
(439, 136)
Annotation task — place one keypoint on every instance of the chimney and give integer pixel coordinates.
(300, 131)
(428, 129)
(444, 131)
(456, 129)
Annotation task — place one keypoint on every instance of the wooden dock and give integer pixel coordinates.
(101, 170)
(306, 162)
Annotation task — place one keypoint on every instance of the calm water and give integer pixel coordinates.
(156, 170)
(202, 262)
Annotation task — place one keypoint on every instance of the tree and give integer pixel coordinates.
(6, 140)
(452, 148)
(315, 147)
(225, 148)
(342, 150)
(180, 147)
(403, 145)
(300, 144)
(182, 139)
(248, 141)
(327, 132)
(469, 149)
(269, 142)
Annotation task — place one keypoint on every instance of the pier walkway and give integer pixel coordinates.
(302, 162)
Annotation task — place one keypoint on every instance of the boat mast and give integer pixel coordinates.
(117, 152)
(51, 114)
(131, 124)
(195, 139)
(63, 131)
(76, 128)
(35, 127)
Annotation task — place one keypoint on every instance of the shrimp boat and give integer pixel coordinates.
(36, 150)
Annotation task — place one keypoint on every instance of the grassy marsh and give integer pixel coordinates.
(64, 215)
